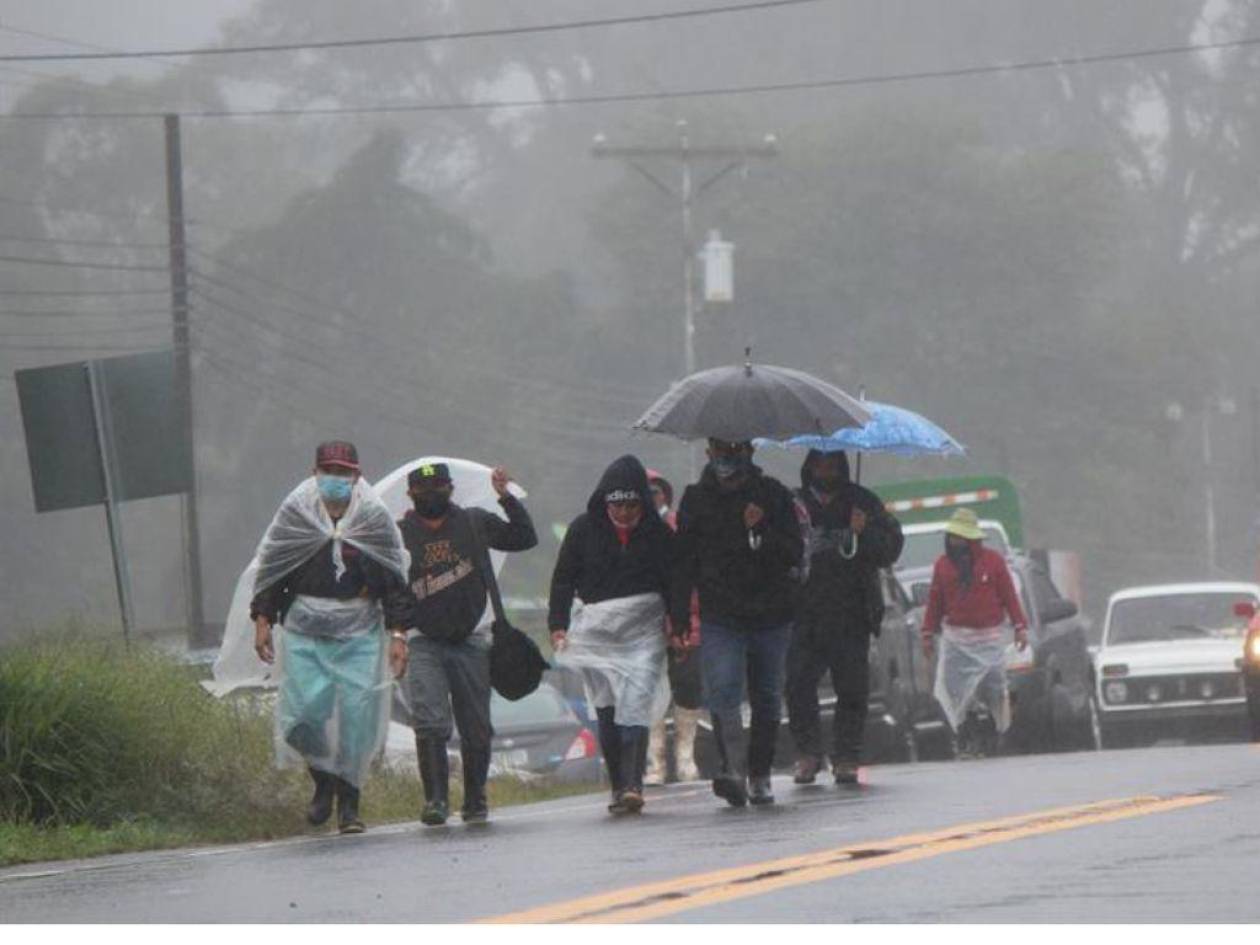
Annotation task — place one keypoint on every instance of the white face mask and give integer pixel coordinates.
(663, 511)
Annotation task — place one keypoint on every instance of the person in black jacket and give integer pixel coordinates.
(850, 537)
(448, 665)
(739, 545)
(618, 550)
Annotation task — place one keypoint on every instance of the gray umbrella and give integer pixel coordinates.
(740, 403)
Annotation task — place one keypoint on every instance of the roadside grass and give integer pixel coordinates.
(106, 750)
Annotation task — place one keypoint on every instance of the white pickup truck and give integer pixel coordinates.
(1168, 662)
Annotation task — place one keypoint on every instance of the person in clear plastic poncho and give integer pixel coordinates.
(616, 559)
(974, 607)
(330, 558)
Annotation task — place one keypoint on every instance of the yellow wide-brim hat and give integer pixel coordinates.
(964, 524)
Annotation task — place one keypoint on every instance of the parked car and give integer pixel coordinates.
(538, 736)
(1168, 665)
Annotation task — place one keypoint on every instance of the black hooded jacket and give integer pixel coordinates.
(843, 591)
(745, 580)
(594, 566)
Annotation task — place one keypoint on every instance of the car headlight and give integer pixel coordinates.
(1253, 650)
(1116, 692)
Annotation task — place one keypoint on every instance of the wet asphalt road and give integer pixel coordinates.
(1196, 859)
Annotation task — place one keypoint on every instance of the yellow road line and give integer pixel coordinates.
(655, 900)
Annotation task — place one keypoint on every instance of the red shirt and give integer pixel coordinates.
(990, 598)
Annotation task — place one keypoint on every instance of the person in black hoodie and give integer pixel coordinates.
(739, 545)
(850, 536)
(448, 664)
(616, 559)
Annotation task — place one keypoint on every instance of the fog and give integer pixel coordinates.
(1057, 263)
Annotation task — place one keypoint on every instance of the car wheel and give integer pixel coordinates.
(1056, 720)
(1113, 736)
(1093, 725)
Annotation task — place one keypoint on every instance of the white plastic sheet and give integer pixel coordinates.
(620, 649)
(972, 664)
(332, 710)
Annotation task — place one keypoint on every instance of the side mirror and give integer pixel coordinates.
(1245, 609)
(1056, 610)
(921, 592)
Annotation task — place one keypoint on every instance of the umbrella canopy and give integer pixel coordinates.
(890, 430)
(740, 403)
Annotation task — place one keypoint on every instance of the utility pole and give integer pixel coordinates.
(687, 156)
(194, 610)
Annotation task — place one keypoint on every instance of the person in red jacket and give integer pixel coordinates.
(974, 607)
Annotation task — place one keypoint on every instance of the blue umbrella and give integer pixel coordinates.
(890, 430)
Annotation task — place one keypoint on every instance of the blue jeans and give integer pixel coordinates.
(731, 659)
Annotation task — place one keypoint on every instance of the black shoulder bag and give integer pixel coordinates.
(516, 663)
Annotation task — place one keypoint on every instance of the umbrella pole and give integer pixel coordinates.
(861, 397)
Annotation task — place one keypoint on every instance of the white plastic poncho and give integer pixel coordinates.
(300, 528)
(619, 647)
(972, 664)
(331, 667)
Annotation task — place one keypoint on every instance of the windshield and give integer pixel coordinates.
(1177, 617)
(923, 548)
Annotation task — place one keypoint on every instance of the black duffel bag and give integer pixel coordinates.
(516, 663)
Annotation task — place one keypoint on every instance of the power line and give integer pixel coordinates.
(78, 293)
(376, 406)
(69, 313)
(106, 244)
(80, 264)
(78, 333)
(1060, 62)
(83, 347)
(388, 389)
(412, 39)
(604, 392)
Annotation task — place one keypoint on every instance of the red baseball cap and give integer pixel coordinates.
(337, 453)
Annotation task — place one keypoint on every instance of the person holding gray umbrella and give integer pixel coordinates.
(739, 545)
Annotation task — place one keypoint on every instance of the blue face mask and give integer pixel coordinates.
(334, 488)
(727, 467)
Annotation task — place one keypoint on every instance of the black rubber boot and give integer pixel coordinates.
(321, 806)
(633, 762)
(610, 748)
(476, 809)
(348, 808)
(807, 768)
(728, 734)
(760, 791)
(435, 776)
